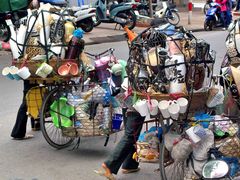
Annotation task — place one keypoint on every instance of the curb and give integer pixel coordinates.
(121, 37)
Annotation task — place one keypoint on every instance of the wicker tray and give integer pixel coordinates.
(53, 77)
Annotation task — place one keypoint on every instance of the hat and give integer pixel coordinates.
(236, 77)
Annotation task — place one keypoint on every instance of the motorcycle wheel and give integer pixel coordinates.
(97, 21)
(86, 25)
(172, 17)
(5, 32)
(131, 19)
(208, 25)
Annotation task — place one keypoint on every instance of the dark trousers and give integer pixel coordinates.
(123, 152)
(19, 129)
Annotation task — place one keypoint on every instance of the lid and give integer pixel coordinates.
(78, 33)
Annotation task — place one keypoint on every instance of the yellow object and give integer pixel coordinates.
(34, 100)
(69, 28)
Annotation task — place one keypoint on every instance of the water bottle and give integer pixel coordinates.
(76, 45)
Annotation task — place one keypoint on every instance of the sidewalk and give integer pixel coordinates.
(106, 33)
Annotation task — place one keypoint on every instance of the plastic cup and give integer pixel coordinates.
(183, 103)
(163, 107)
(24, 73)
(174, 110)
(153, 107)
(6, 73)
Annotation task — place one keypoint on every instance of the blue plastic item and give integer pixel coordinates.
(78, 33)
(233, 165)
(117, 121)
(203, 116)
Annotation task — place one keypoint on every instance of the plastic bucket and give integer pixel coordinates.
(117, 121)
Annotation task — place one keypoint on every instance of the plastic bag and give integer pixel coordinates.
(182, 150)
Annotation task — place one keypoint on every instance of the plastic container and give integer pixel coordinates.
(76, 45)
(117, 121)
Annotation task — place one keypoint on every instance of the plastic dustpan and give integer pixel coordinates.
(60, 109)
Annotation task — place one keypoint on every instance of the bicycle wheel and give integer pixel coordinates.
(172, 17)
(51, 133)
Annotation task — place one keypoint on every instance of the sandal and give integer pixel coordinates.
(127, 171)
(28, 136)
(105, 172)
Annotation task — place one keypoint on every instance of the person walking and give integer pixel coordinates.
(20, 126)
(224, 13)
(123, 152)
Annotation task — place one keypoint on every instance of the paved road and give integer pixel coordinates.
(35, 160)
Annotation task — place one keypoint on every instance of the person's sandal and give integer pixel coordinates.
(29, 136)
(105, 172)
(127, 171)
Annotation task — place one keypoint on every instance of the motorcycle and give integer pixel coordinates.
(168, 12)
(213, 17)
(208, 5)
(139, 7)
(122, 14)
(84, 16)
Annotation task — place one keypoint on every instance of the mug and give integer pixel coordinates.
(141, 107)
(6, 73)
(24, 73)
(14, 71)
(153, 107)
(183, 104)
(163, 107)
(44, 70)
(174, 110)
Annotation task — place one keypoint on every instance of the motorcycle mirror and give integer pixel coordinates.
(215, 169)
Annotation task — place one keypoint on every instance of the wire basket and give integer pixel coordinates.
(45, 42)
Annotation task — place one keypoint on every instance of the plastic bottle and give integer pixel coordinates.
(76, 45)
(21, 33)
(69, 29)
(12, 41)
(31, 21)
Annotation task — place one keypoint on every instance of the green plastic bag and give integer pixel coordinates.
(12, 5)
